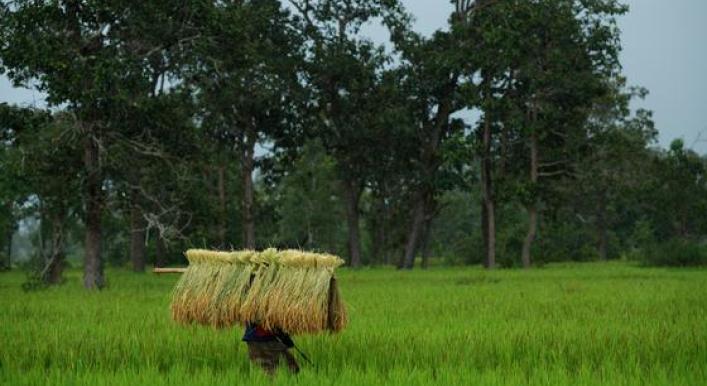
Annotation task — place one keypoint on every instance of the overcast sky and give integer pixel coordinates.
(664, 50)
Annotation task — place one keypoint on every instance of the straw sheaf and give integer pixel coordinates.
(290, 289)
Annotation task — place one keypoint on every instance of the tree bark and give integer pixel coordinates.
(401, 260)
(93, 200)
(530, 236)
(42, 229)
(430, 158)
(54, 272)
(160, 252)
(489, 217)
(484, 228)
(425, 241)
(10, 232)
(222, 229)
(378, 245)
(602, 234)
(418, 218)
(532, 207)
(137, 235)
(93, 265)
(352, 196)
(247, 204)
(379, 235)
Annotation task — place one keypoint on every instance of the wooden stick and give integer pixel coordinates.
(168, 270)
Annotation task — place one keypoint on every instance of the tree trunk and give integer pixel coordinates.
(9, 247)
(489, 221)
(10, 233)
(418, 218)
(41, 230)
(160, 252)
(379, 235)
(93, 200)
(603, 244)
(425, 241)
(248, 164)
(401, 260)
(352, 193)
(222, 229)
(430, 159)
(378, 245)
(484, 229)
(602, 236)
(533, 205)
(93, 264)
(56, 263)
(530, 236)
(137, 235)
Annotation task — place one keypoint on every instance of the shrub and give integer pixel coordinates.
(676, 253)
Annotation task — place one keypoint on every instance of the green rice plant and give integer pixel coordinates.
(291, 290)
(599, 323)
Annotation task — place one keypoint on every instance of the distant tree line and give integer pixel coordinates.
(506, 138)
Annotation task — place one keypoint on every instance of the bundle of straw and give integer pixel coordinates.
(292, 290)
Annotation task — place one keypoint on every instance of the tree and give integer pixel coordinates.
(344, 71)
(680, 192)
(84, 57)
(539, 78)
(435, 70)
(46, 167)
(244, 74)
(308, 203)
(609, 167)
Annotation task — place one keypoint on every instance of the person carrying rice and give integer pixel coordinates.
(268, 349)
(272, 293)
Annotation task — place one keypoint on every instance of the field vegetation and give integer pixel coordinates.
(592, 323)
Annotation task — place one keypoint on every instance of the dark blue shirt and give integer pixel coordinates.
(256, 333)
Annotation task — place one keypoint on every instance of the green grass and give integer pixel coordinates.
(564, 324)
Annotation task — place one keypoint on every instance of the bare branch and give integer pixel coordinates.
(552, 174)
(554, 163)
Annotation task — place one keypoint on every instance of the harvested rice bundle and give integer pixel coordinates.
(292, 290)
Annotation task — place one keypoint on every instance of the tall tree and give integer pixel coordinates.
(343, 70)
(46, 164)
(609, 167)
(75, 51)
(245, 76)
(680, 193)
(438, 86)
(567, 62)
(539, 75)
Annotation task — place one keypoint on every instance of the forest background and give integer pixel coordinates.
(509, 138)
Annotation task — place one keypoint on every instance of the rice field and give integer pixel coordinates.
(579, 324)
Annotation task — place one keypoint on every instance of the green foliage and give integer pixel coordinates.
(308, 204)
(680, 193)
(33, 268)
(561, 241)
(675, 253)
(607, 323)
(450, 241)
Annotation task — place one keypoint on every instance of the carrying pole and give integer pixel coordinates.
(168, 270)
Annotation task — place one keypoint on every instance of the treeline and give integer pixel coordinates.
(506, 138)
